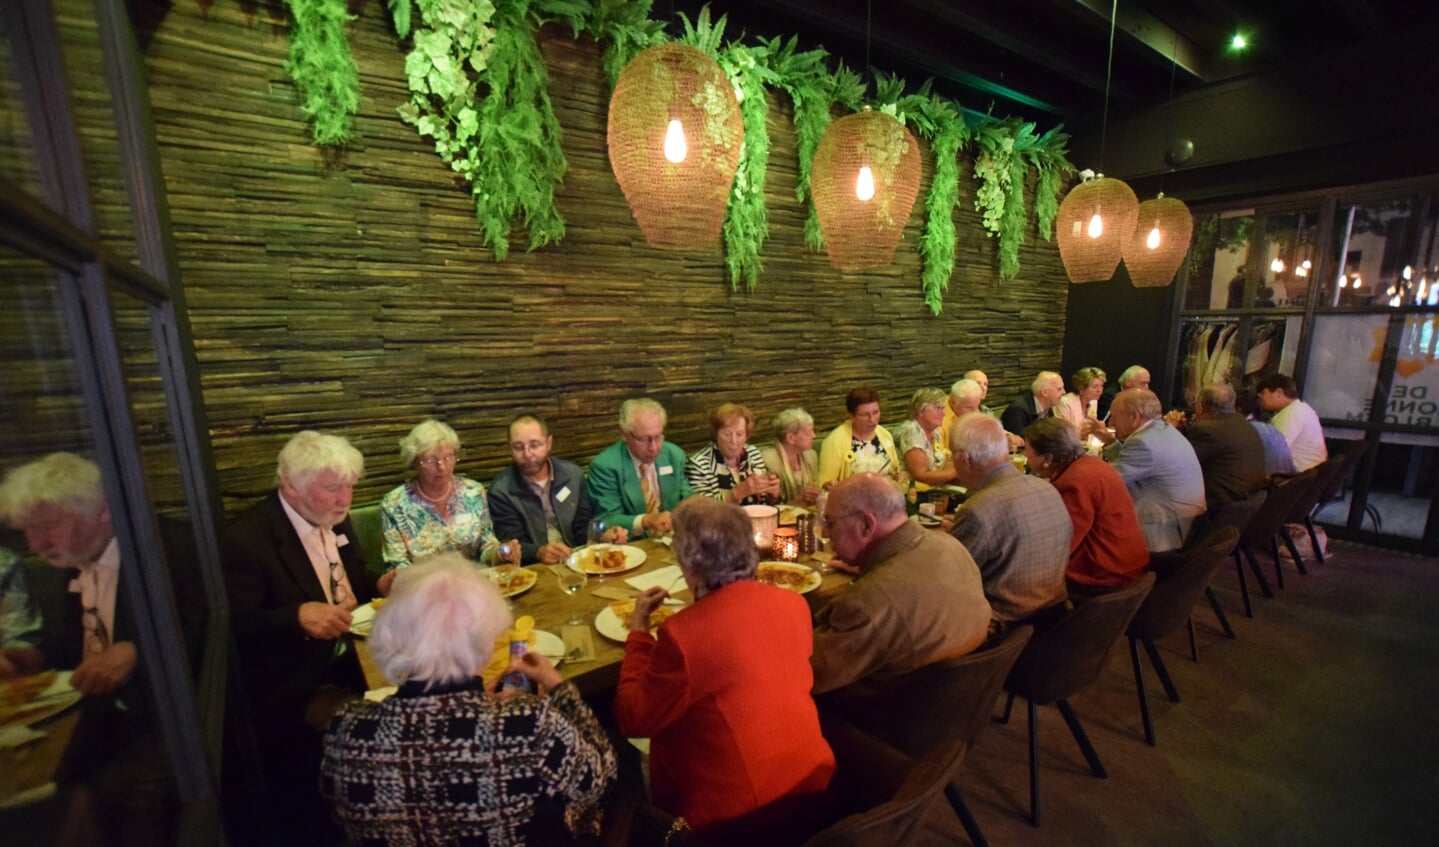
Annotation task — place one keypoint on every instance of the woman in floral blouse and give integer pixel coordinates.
(437, 511)
(918, 439)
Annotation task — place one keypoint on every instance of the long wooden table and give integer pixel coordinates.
(551, 608)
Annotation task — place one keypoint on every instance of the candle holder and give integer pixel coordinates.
(763, 520)
(786, 544)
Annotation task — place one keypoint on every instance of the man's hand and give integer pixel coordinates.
(615, 535)
(323, 621)
(843, 567)
(509, 551)
(21, 661)
(656, 523)
(104, 672)
(386, 580)
(553, 554)
(646, 603)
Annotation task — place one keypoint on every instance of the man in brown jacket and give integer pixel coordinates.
(1229, 448)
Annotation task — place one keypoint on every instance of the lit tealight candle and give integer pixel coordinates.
(786, 544)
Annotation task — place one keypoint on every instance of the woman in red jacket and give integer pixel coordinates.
(723, 693)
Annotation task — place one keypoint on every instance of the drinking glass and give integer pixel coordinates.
(598, 528)
(571, 580)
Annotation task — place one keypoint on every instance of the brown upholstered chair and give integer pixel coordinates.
(1181, 578)
(941, 703)
(1065, 659)
(1266, 528)
(1237, 515)
(1332, 476)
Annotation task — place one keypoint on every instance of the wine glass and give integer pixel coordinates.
(571, 579)
(596, 536)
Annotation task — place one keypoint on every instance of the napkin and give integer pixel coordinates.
(579, 643)
(670, 578)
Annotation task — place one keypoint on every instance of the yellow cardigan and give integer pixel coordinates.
(833, 464)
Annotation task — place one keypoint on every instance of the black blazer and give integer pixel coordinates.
(268, 575)
(1021, 413)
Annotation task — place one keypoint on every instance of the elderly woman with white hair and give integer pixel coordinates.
(437, 511)
(723, 692)
(444, 761)
(919, 440)
(792, 457)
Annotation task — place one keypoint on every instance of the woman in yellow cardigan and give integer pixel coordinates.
(860, 444)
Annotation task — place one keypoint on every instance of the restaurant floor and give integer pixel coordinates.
(1313, 728)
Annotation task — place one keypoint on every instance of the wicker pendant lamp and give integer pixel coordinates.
(864, 182)
(675, 131)
(1094, 224)
(1160, 242)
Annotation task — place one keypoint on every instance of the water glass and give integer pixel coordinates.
(571, 581)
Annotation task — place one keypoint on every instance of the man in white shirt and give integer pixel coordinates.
(1296, 419)
(294, 573)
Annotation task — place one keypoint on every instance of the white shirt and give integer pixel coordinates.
(1300, 425)
(323, 547)
(96, 586)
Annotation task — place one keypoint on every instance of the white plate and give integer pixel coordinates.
(788, 514)
(812, 577)
(634, 557)
(549, 645)
(56, 698)
(362, 620)
(610, 626)
(520, 588)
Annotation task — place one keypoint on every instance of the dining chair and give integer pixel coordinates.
(1238, 514)
(1332, 476)
(1063, 660)
(1266, 528)
(1180, 579)
(939, 704)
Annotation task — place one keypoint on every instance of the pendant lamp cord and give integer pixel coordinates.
(868, 14)
(1169, 105)
(1108, 75)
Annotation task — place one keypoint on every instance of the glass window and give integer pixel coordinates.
(1344, 357)
(1218, 260)
(1370, 254)
(17, 145)
(1288, 260)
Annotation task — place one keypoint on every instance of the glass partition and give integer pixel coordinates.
(1288, 260)
(1370, 254)
(1219, 260)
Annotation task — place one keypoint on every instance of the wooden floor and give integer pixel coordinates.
(1315, 727)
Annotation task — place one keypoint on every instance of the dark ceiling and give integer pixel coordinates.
(1045, 59)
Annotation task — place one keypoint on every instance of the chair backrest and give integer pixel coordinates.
(370, 536)
(900, 819)
(1179, 589)
(945, 700)
(1236, 515)
(1070, 655)
(1349, 459)
(1323, 474)
(1270, 517)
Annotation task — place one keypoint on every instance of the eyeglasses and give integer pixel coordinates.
(831, 520)
(96, 627)
(645, 439)
(337, 583)
(436, 461)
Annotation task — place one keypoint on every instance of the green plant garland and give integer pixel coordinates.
(323, 69)
(479, 89)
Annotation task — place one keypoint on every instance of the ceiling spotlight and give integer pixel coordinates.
(1238, 42)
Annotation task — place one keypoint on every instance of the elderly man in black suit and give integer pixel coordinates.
(1229, 448)
(1038, 402)
(294, 574)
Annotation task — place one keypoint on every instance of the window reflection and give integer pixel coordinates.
(1371, 256)
(1288, 260)
(1218, 259)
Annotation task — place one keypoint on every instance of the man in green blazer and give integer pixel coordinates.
(638, 480)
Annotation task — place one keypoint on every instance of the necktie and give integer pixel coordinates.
(652, 501)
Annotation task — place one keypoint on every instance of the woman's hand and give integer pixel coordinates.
(386, 580)
(510, 551)
(553, 554)
(811, 493)
(536, 668)
(645, 604)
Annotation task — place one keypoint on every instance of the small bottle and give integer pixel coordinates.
(819, 506)
(519, 638)
(805, 525)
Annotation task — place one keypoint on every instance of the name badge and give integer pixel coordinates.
(563, 494)
(666, 470)
(341, 540)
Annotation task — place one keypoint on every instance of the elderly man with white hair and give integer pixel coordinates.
(113, 775)
(444, 760)
(1159, 466)
(1016, 527)
(294, 573)
(965, 396)
(1038, 402)
(637, 481)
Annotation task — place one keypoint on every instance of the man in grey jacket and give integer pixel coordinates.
(1159, 466)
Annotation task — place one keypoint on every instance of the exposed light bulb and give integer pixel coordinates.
(1096, 226)
(1408, 272)
(1357, 280)
(864, 185)
(1152, 242)
(1277, 265)
(1301, 271)
(1306, 265)
(1343, 282)
(675, 146)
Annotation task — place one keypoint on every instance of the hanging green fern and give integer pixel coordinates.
(811, 88)
(940, 123)
(746, 222)
(625, 28)
(1049, 159)
(323, 69)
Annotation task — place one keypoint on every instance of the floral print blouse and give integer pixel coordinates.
(413, 527)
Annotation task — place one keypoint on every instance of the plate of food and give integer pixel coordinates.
(27, 700)
(613, 620)
(512, 580)
(801, 579)
(606, 559)
(362, 618)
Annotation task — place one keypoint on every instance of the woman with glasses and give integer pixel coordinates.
(437, 511)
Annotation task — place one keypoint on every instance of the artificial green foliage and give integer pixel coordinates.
(1011, 226)
(323, 68)
(400, 14)
(480, 89)
(811, 87)
(940, 123)
(625, 28)
(1048, 155)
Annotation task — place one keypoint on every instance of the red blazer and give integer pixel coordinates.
(724, 697)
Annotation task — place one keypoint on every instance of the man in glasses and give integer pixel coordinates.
(294, 573)
(113, 775)
(637, 481)
(918, 598)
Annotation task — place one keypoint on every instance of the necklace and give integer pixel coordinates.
(436, 500)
